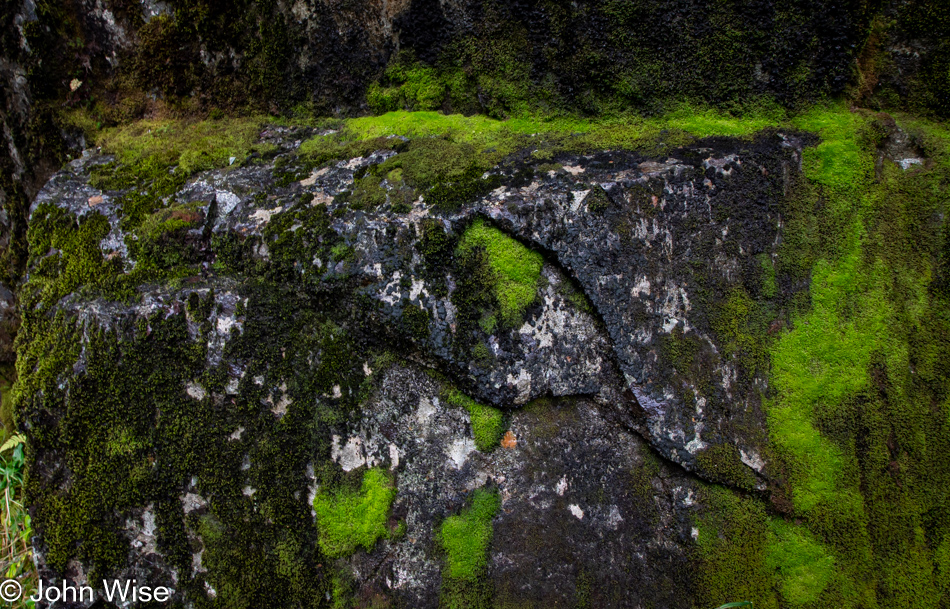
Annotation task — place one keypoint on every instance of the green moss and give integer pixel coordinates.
(769, 287)
(125, 450)
(322, 149)
(348, 520)
(516, 269)
(804, 565)
(110, 441)
(416, 321)
(65, 255)
(416, 87)
(598, 201)
(7, 377)
(837, 161)
(849, 415)
(488, 423)
(723, 462)
(739, 331)
(705, 122)
(169, 220)
(466, 537)
(733, 549)
(146, 147)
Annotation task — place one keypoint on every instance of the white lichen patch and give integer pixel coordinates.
(391, 294)
(426, 410)
(579, 197)
(459, 450)
(195, 390)
(613, 518)
(576, 510)
(192, 501)
(393, 456)
(142, 531)
(227, 202)
(752, 459)
(280, 405)
(350, 455)
(642, 287)
(319, 173)
(418, 287)
(263, 216)
(522, 383)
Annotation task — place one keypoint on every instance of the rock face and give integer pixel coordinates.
(579, 515)
(266, 338)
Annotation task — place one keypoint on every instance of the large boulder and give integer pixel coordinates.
(207, 382)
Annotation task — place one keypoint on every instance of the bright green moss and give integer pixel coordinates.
(804, 565)
(855, 374)
(826, 357)
(705, 122)
(838, 160)
(347, 520)
(488, 423)
(516, 268)
(466, 537)
(603, 132)
(420, 87)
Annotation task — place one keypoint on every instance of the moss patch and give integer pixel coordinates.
(466, 537)
(804, 566)
(488, 423)
(348, 520)
(858, 414)
(516, 268)
(191, 146)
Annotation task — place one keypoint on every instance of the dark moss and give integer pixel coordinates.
(416, 321)
(598, 200)
(722, 462)
(474, 294)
